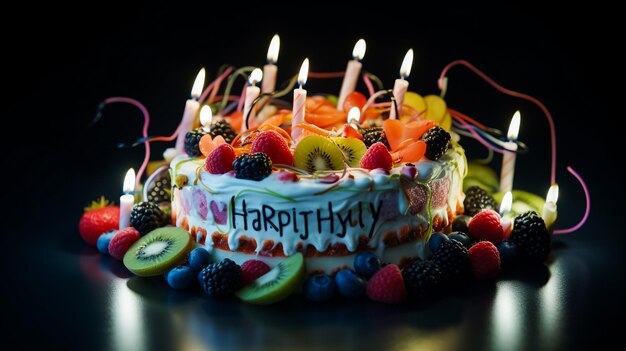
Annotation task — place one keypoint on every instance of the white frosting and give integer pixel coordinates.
(309, 211)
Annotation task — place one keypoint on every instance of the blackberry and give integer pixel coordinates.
(160, 190)
(476, 200)
(146, 217)
(220, 279)
(254, 166)
(451, 257)
(530, 234)
(192, 142)
(373, 135)
(224, 129)
(437, 142)
(422, 278)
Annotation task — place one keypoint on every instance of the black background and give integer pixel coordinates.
(55, 163)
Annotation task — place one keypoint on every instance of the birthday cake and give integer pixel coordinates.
(346, 196)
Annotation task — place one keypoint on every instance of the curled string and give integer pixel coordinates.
(218, 82)
(587, 205)
(514, 94)
(368, 84)
(146, 123)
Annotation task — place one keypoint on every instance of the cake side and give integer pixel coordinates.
(364, 210)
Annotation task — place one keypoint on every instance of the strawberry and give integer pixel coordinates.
(98, 219)
(122, 241)
(274, 146)
(220, 160)
(387, 285)
(484, 260)
(485, 225)
(377, 156)
(251, 270)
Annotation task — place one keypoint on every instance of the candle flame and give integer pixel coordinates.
(255, 76)
(206, 116)
(407, 63)
(129, 182)
(507, 202)
(359, 50)
(272, 51)
(304, 72)
(553, 193)
(514, 126)
(354, 115)
(198, 84)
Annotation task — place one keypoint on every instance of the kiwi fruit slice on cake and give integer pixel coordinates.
(317, 153)
(353, 150)
(158, 251)
(277, 284)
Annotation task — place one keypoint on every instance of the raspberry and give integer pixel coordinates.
(122, 241)
(486, 226)
(287, 176)
(274, 146)
(251, 270)
(484, 260)
(377, 156)
(387, 285)
(220, 160)
(256, 166)
(437, 142)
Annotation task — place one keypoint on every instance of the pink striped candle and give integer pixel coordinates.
(191, 109)
(508, 159)
(352, 73)
(401, 85)
(299, 102)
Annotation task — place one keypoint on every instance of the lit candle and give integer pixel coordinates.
(549, 209)
(191, 109)
(508, 159)
(127, 200)
(270, 69)
(402, 85)
(299, 101)
(252, 92)
(505, 208)
(354, 116)
(352, 73)
(206, 117)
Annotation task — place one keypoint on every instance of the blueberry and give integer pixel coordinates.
(366, 264)
(181, 277)
(198, 258)
(462, 238)
(435, 240)
(509, 253)
(349, 284)
(319, 287)
(103, 241)
(460, 223)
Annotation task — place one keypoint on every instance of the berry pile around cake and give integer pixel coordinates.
(376, 208)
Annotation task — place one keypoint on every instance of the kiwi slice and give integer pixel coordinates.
(523, 201)
(277, 284)
(353, 149)
(158, 251)
(317, 153)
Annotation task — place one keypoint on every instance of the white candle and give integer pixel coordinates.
(549, 209)
(508, 158)
(270, 69)
(252, 92)
(127, 200)
(352, 73)
(191, 109)
(299, 101)
(354, 116)
(505, 207)
(401, 85)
